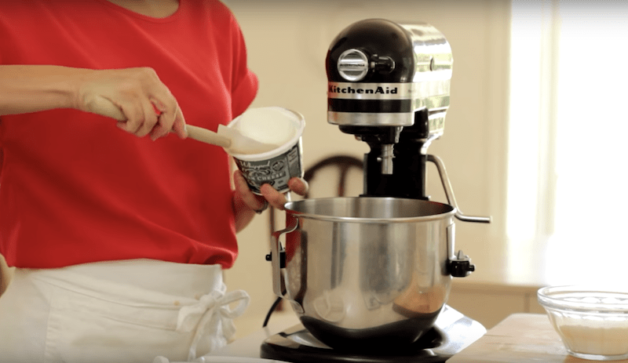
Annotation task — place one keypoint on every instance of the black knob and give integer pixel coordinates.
(460, 268)
(460, 265)
(383, 65)
(282, 258)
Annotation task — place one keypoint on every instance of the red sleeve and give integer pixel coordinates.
(245, 82)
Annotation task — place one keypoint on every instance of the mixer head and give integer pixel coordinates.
(389, 82)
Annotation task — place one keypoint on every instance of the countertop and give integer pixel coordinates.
(518, 338)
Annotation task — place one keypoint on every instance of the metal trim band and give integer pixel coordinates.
(371, 91)
(430, 94)
(370, 119)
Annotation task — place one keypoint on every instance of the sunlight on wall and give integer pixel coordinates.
(591, 135)
(524, 117)
(567, 183)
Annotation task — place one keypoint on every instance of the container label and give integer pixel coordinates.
(275, 171)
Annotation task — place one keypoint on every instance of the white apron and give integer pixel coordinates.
(122, 311)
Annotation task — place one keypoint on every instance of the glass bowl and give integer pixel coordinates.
(592, 322)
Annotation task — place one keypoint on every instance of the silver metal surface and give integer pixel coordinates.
(370, 119)
(427, 142)
(371, 91)
(427, 93)
(432, 95)
(436, 122)
(431, 49)
(449, 193)
(387, 159)
(353, 65)
(360, 264)
(278, 287)
(432, 78)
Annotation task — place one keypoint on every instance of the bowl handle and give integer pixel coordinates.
(449, 193)
(275, 253)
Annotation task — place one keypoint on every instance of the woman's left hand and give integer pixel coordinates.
(270, 195)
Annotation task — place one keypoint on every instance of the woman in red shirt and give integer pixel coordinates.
(119, 230)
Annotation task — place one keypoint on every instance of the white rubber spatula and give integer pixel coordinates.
(241, 144)
(230, 139)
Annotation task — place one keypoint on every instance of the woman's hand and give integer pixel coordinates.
(135, 97)
(245, 199)
(276, 199)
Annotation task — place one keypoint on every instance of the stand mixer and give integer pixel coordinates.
(369, 276)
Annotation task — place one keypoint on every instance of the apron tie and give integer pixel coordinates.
(211, 316)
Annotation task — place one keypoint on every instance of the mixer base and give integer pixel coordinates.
(451, 333)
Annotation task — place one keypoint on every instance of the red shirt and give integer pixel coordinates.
(73, 187)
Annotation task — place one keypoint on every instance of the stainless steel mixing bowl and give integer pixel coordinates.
(365, 272)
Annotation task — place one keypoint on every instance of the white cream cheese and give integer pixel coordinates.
(268, 125)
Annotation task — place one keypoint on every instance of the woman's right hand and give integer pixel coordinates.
(135, 97)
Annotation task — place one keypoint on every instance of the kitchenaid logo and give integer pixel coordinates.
(333, 89)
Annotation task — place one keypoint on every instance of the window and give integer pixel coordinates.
(568, 137)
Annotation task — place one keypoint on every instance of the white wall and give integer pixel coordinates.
(287, 43)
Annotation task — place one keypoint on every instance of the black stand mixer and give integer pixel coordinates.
(389, 85)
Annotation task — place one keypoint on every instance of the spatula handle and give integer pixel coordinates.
(105, 107)
(207, 136)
